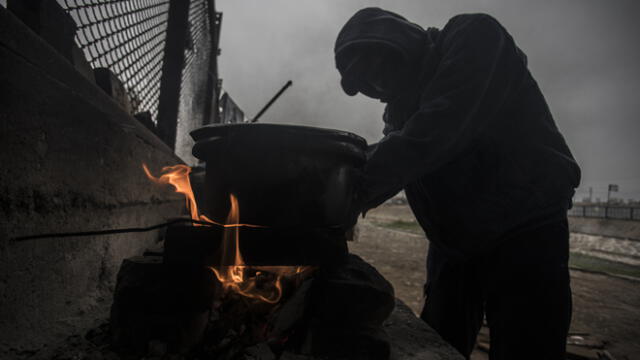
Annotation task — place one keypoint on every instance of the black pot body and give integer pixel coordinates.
(283, 176)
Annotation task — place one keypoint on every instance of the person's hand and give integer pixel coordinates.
(370, 190)
(368, 195)
(373, 194)
(355, 206)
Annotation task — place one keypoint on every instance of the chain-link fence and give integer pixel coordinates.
(156, 58)
(162, 51)
(198, 40)
(128, 38)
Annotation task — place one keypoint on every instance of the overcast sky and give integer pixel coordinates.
(585, 54)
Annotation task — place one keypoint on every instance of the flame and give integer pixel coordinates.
(243, 279)
(178, 177)
(263, 283)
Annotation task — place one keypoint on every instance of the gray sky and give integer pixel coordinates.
(585, 55)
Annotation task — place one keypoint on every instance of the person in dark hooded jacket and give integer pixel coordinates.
(470, 139)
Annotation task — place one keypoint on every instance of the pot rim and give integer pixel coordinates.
(221, 130)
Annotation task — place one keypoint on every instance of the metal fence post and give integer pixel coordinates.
(211, 113)
(173, 62)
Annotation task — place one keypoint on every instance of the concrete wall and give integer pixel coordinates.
(70, 161)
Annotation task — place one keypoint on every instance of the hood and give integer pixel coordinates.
(375, 27)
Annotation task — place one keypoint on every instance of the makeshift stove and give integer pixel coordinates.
(275, 277)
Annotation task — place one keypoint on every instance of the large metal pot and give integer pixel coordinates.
(283, 176)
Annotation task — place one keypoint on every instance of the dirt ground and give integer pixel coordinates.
(604, 307)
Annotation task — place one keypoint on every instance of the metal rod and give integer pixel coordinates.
(129, 230)
(273, 99)
(108, 231)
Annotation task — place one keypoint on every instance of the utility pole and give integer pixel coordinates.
(612, 187)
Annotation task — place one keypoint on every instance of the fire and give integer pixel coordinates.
(246, 280)
(263, 283)
(178, 177)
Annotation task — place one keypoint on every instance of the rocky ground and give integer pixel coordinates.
(606, 308)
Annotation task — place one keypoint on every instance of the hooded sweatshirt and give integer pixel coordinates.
(470, 137)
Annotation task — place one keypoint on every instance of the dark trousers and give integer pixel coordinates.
(522, 287)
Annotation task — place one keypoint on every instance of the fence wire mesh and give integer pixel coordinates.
(126, 36)
(194, 77)
(198, 37)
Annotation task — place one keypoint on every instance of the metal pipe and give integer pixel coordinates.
(273, 99)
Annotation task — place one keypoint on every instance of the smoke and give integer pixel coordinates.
(583, 53)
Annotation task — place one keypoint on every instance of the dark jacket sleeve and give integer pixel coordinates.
(469, 86)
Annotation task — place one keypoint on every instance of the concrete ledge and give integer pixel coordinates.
(20, 40)
(71, 161)
(412, 338)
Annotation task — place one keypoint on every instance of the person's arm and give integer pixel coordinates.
(474, 77)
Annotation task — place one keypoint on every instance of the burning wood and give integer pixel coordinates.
(263, 283)
(178, 177)
(223, 307)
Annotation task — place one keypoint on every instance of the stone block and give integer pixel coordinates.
(49, 20)
(110, 83)
(412, 339)
(354, 294)
(349, 304)
(157, 303)
(81, 64)
(146, 119)
(53, 24)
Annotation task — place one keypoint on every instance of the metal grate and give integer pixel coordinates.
(128, 37)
